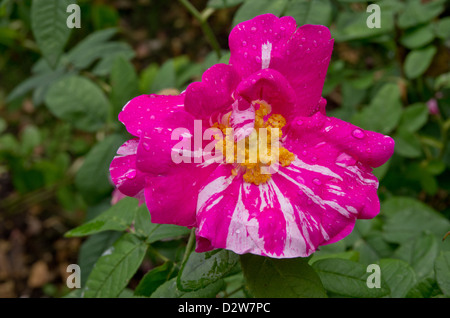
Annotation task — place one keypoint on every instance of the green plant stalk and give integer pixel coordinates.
(202, 19)
(189, 247)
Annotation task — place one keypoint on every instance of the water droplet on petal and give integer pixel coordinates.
(138, 132)
(315, 43)
(317, 182)
(244, 43)
(358, 133)
(303, 39)
(299, 122)
(146, 146)
(253, 29)
(131, 174)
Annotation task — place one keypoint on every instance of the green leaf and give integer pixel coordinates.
(407, 218)
(93, 47)
(418, 12)
(115, 268)
(147, 76)
(418, 61)
(353, 25)
(398, 275)
(347, 278)
(426, 288)
(165, 78)
(153, 279)
(152, 232)
(30, 138)
(203, 269)
(169, 290)
(350, 255)
(104, 66)
(407, 144)
(118, 218)
(381, 171)
(286, 278)
(442, 28)
(384, 111)
(435, 166)
(420, 253)
(124, 82)
(372, 247)
(35, 82)
(92, 179)
(92, 249)
(48, 23)
(221, 4)
(418, 37)
(442, 270)
(251, 8)
(414, 117)
(79, 101)
(310, 12)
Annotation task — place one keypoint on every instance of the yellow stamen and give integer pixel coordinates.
(251, 153)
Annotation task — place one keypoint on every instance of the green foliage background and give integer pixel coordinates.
(61, 91)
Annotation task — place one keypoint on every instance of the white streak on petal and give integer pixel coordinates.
(355, 170)
(242, 121)
(315, 198)
(213, 188)
(243, 234)
(266, 51)
(314, 168)
(295, 242)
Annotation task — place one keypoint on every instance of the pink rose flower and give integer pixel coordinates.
(274, 79)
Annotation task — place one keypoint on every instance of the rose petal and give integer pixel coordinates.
(214, 93)
(124, 174)
(254, 44)
(147, 112)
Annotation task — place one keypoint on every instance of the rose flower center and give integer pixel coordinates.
(258, 155)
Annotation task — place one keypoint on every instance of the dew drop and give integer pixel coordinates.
(299, 122)
(304, 152)
(138, 132)
(253, 29)
(131, 174)
(303, 40)
(317, 182)
(244, 43)
(358, 133)
(315, 43)
(146, 146)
